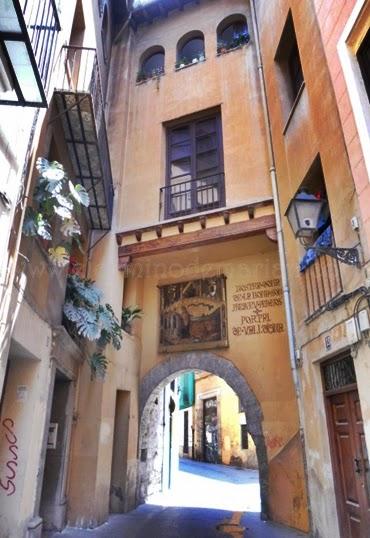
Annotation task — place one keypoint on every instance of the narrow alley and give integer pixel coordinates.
(207, 501)
(184, 268)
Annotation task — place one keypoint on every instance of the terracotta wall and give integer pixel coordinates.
(332, 17)
(225, 82)
(229, 416)
(315, 127)
(262, 359)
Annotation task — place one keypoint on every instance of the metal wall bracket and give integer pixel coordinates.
(349, 256)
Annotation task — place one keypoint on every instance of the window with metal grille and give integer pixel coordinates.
(195, 178)
(339, 374)
(363, 58)
(244, 437)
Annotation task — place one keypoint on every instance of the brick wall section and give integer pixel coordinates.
(332, 17)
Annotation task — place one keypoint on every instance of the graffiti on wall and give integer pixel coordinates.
(193, 315)
(257, 302)
(8, 483)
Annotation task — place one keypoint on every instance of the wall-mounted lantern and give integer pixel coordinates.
(305, 215)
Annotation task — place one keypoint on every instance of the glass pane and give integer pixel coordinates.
(180, 151)
(205, 127)
(6, 82)
(154, 64)
(233, 31)
(8, 19)
(192, 49)
(208, 191)
(180, 135)
(182, 167)
(340, 373)
(207, 161)
(206, 143)
(20, 59)
(180, 195)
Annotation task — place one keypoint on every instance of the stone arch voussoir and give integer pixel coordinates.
(176, 363)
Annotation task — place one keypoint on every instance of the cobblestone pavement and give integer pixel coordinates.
(204, 497)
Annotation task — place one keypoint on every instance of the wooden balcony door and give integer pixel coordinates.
(195, 179)
(351, 463)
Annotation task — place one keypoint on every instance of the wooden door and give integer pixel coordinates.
(351, 463)
(210, 430)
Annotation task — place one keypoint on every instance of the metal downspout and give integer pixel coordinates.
(281, 249)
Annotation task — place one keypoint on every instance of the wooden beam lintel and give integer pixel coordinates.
(207, 236)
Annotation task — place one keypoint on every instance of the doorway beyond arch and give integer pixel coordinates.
(176, 364)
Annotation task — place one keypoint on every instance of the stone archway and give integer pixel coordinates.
(175, 364)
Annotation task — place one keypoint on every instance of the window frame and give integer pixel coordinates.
(156, 71)
(232, 21)
(347, 47)
(192, 122)
(287, 50)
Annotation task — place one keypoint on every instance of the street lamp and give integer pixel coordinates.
(307, 215)
(20, 81)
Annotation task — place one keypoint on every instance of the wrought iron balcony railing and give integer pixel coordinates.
(183, 197)
(322, 283)
(28, 35)
(80, 101)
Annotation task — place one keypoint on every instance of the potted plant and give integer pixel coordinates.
(221, 47)
(129, 314)
(141, 76)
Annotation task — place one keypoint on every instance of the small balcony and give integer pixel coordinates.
(28, 35)
(79, 99)
(185, 197)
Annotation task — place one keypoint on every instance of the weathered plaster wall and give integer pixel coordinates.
(315, 127)
(332, 17)
(25, 402)
(229, 422)
(262, 359)
(223, 82)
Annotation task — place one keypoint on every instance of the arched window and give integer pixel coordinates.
(232, 32)
(151, 64)
(190, 49)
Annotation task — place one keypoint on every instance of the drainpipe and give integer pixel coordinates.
(281, 247)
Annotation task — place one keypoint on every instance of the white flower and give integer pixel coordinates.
(59, 256)
(70, 227)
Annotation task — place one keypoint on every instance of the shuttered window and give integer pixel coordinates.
(195, 180)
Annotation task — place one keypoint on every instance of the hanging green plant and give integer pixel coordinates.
(86, 317)
(55, 198)
(129, 314)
